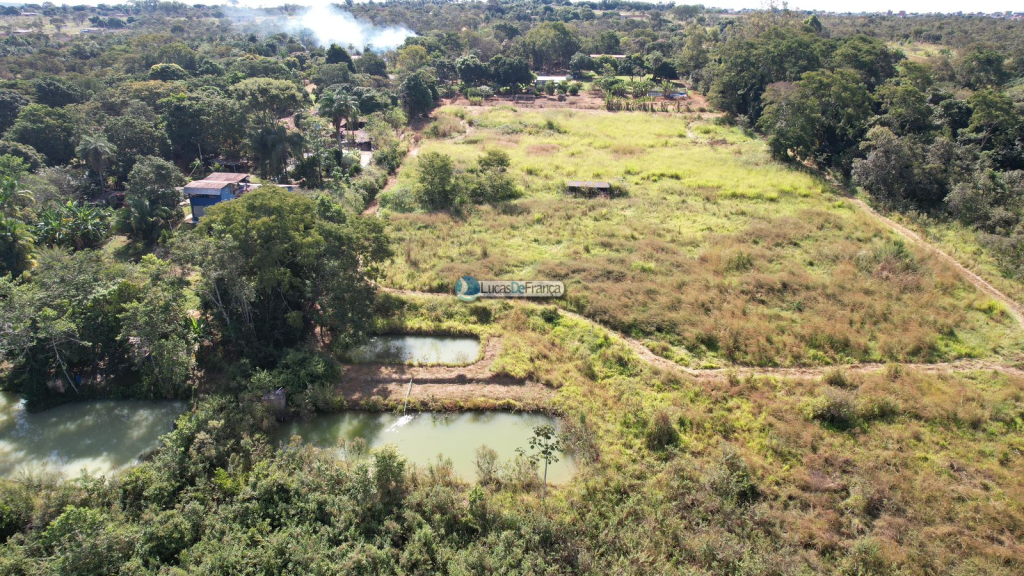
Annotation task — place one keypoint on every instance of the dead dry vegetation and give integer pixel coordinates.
(717, 256)
(849, 471)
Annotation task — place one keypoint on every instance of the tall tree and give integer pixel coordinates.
(280, 267)
(97, 152)
(51, 131)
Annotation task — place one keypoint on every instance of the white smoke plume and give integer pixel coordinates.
(325, 22)
(331, 25)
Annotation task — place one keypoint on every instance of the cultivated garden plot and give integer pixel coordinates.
(714, 255)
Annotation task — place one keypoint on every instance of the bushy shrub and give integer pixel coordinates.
(445, 126)
(837, 377)
(297, 371)
(661, 433)
(833, 406)
(398, 198)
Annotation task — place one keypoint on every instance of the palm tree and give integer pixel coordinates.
(338, 105)
(270, 146)
(17, 246)
(97, 152)
(13, 198)
(142, 220)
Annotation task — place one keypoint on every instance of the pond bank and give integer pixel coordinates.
(445, 388)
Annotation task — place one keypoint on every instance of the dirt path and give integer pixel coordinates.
(475, 383)
(1014, 308)
(413, 151)
(801, 372)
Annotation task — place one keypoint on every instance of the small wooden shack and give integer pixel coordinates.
(589, 189)
(359, 140)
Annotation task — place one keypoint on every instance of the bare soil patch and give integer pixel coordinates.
(475, 384)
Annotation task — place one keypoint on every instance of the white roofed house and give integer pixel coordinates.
(542, 80)
(215, 188)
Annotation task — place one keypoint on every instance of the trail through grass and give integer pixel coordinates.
(717, 255)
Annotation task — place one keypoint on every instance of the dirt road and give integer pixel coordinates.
(1013, 307)
(716, 373)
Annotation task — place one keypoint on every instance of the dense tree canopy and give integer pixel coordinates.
(278, 268)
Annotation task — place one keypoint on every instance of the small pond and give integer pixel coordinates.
(420, 437)
(99, 436)
(400, 349)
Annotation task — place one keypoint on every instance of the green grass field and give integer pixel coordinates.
(716, 255)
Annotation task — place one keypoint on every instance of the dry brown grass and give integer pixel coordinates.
(717, 258)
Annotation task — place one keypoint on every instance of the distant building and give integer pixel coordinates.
(358, 139)
(542, 80)
(214, 189)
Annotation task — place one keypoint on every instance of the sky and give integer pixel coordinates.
(910, 6)
(922, 6)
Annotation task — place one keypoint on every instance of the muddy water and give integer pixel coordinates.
(98, 436)
(400, 349)
(427, 434)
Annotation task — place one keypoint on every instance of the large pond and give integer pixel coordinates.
(400, 349)
(422, 436)
(97, 436)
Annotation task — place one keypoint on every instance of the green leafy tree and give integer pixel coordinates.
(437, 184)
(510, 71)
(979, 67)
(151, 199)
(11, 103)
(269, 145)
(748, 65)
(552, 45)
(372, 64)
(338, 55)
(418, 94)
(580, 63)
(51, 131)
(134, 137)
(993, 119)
(870, 57)
(55, 92)
(163, 339)
(167, 72)
(895, 170)
(268, 99)
(694, 56)
(279, 267)
(905, 108)
(788, 121)
(471, 70)
(202, 124)
(17, 240)
(546, 446)
(33, 160)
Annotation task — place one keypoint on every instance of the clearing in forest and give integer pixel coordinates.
(716, 255)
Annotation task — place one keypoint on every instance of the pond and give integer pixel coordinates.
(400, 349)
(420, 437)
(98, 436)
